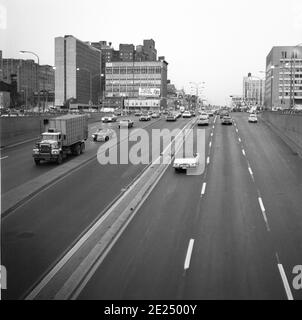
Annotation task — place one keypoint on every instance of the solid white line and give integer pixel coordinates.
(285, 282)
(189, 254)
(4, 158)
(243, 152)
(203, 191)
(208, 160)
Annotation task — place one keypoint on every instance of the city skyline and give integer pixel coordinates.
(215, 42)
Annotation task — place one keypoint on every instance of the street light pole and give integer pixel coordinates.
(38, 80)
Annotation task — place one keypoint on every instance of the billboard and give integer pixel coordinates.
(149, 92)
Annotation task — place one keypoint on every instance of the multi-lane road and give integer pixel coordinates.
(233, 232)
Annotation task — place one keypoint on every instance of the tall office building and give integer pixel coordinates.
(137, 83)
(78, 72)
(253, 90)
(283, 84)
(127, 52)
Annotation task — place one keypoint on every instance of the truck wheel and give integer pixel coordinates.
(82, 147)
(37, 162)
(60, 159)
(107, 138)
(77, 150)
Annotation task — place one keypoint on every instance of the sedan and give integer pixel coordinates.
(253, 118)
(145, 117)
(128, 123)
(186, 114)
(102, 135)
(155, 115)
(227, 120)
(111, 118)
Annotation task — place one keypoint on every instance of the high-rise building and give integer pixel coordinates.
(283, 84)
(253, 90)
(78, 72)
(28, 78)
(137, 82)
(127, 52)
(149, 50)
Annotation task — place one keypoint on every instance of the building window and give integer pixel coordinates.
(109, 70)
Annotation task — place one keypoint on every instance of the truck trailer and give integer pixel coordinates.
(63, 136)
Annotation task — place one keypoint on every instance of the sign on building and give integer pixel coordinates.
(149, 92)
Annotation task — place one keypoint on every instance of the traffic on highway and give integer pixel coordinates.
(201, 226)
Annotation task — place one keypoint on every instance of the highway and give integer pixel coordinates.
(18, 166)
(233, 232)
(183, 244)
(42, 229)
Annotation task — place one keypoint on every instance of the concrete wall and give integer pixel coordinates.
(18, 129)
(288, 127)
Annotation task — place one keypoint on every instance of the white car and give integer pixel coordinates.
(145, 117)
(253, 118)
(187, 114)
(102, 134)
(186, 163)
(203, 120)
(155, 115)
(125, 123)
(111, 118)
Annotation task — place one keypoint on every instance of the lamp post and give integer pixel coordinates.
(38, 80)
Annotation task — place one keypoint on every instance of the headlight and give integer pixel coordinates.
(93, 136)
(55, 151)
(36, 151)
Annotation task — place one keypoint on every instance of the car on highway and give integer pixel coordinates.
(137, 113)
(118, 112)
(102, 134)
(227, 120)
(187, 114)
(155, 115)
(253, 118)
(171, 117)
(145, 117)
(186, 163)
(210, 113)
(125, 123)
(203, 120)
(109, 118)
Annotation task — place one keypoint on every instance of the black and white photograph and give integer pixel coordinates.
(151, 153)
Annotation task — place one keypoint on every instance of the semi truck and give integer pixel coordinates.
(63, 136)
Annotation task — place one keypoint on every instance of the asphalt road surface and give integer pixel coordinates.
(37, 234)
(232, 233)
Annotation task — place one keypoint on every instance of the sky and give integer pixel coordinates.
(213, 41)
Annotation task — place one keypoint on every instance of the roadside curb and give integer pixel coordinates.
(24, 196)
